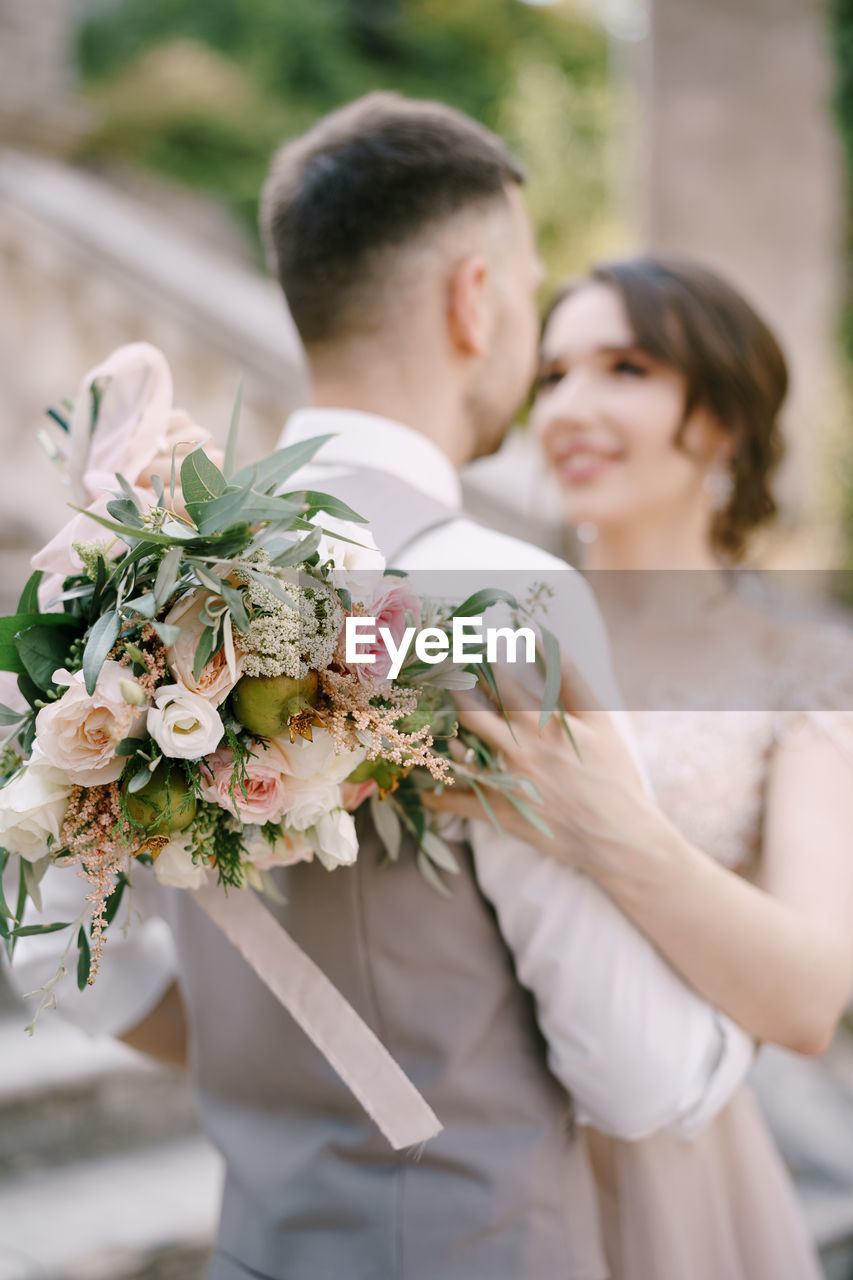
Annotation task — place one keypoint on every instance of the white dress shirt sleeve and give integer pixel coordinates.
(138, 964)
(636, 1047)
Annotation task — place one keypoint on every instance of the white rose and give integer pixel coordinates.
(334, 839)
(32, 807)
(308, 802)
(174, 866)
(289, 847)
(317, 761)
(357, 567)
(184, 725)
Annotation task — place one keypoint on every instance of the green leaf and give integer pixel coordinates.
(482, 600)
(487, 808)
(251, 506)
(438, 852)
(5, 913)
(387, 824)
(113, 902)
(536, 820)
(279, 466)
(129, 746)
(167, 632)
(553, 676)
(128, 491)
(167, 576)
(144, 604)
(298, 552)
(332, 506)
(233, 597)
(204, 652)
(201, 479)
(29, 601)
(84, 959)
(37, 930)
(125, 511)
(13, 626)
(8, 716)
(139, 779)
(231, 442)
(102, 637)
(42, 650)
(127, 532)
(431, 876)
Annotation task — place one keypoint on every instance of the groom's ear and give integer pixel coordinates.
(469, 305)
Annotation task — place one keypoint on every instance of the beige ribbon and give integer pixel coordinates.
(330, 1022)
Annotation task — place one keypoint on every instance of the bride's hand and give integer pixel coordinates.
(591, 795)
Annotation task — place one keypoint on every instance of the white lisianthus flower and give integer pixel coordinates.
(317, 761)
(32, 807)
(184, 725)
(358, 568)
(174, 866)
(289, 847)
(334, 839)
(309, 802)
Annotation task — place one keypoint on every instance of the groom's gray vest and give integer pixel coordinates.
(313, 1191)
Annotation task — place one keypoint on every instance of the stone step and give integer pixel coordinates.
(66, 1097)
(148, 1213)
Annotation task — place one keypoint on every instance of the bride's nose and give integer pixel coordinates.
(570, 405)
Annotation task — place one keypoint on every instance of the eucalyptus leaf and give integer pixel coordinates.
(253, 507)
(299, 551)
(201, 479)
(204, 651)
(535, 819)
(129, 746)
(482, 600)
(332, 506)
(384, 816)
(37, 930)
(15, 625)
(139, 779)
(159, 490)
(128, 492)
(167, 575)
(279, 466)
(84, 959)
(231, 441)
(145, 604)
(487, 808)
(431, 876)
(167, 632)
(233, 597)
(553, 676)
(439, 852)
(125, 511)
(102, 637)
(9, 716)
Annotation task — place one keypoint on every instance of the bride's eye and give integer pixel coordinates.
(629, 369)
(546, 379)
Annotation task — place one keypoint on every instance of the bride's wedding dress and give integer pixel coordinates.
(722, 1206)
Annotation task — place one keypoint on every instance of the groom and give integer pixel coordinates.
(398, 232)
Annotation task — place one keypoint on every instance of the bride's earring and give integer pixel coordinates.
(719, 485)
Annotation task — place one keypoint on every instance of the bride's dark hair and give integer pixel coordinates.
(693, 321)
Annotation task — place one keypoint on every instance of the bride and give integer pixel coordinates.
(656, 408)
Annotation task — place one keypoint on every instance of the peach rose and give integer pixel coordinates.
(355, 793)
(290, 847)
(389, 604)
(79, 733)
(263, 796)
(216, 680)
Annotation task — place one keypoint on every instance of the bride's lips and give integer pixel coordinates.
(584, 463)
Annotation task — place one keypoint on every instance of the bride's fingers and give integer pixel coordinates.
(485, 723)
(575, 694)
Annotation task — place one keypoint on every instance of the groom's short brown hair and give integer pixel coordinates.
(362, 182)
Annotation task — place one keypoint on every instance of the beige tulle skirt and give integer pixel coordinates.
(719, 1207)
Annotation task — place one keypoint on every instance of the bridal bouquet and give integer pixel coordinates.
(184, 693)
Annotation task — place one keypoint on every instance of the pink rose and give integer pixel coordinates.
(262, 798)
(392, 600)
(355, 793)
(216, 680)
(79, 733)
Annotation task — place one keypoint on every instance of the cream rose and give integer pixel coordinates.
(308, 802)
(32, 807)
(359, 564)
(216, 679)
(174, 866)
(334, 839)
(262, 798)
(79, 733)
(183, 724)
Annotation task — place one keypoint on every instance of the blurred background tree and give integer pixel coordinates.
(201, 91)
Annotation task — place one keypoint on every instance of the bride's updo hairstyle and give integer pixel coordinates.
(691, 320)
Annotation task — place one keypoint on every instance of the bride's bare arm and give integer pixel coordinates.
(776, 958)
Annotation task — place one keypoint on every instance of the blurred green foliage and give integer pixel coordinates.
(841, 34)
(202, 91)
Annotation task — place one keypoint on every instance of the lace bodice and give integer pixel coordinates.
(708, 768)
